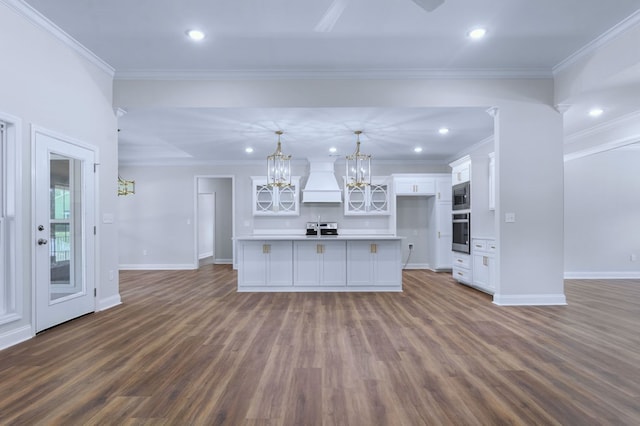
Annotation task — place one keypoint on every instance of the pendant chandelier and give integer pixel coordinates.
(126, 187)
(358, 166)
(279, 167)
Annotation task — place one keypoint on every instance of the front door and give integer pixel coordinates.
(64, 235)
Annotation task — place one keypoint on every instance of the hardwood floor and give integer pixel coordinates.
(185, 348)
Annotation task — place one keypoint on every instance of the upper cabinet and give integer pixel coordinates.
(273, 200)
(369, 199)
(414, 185)
(461, 170)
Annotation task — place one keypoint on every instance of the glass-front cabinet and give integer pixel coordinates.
(275, 200)
(368, 199)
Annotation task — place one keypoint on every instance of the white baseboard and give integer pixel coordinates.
(223, 261)
(13, 337)
(157, 267)
(205, 255)
(109, 302)
(417, 266)
(602, 275)
(529, 299)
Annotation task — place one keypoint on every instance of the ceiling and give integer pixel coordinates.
(258, 38)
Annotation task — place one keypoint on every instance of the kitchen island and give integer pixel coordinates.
(335, 263)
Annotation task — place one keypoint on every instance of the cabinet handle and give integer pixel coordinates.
(461, 274)
(459, 176)
(478, 245)
(485, 260)
(438, 195)
(319, 248)
(438, 234)
(493, 247)
(374, 248)
(266, 248)
(459, 261)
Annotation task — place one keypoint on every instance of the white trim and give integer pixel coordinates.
(417, 266)
(205, 255)
(602, 40)
(13, 337)
(319, 289)
(35, 17)
(602, 275)
(465, 154)
(223, 261)
(624, 121)
(14, 215)
(157, 267)
(109, 302)
(328, 74)
(529, 299)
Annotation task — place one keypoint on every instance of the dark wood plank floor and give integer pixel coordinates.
(185, 348)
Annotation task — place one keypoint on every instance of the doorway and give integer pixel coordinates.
(64, 234)
(214, 230)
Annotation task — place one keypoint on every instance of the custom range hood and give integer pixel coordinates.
(322, 186)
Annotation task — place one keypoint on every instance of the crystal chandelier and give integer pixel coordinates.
(279, 167)
(358, 166)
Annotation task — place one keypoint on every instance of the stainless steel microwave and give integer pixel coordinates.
(461, 196)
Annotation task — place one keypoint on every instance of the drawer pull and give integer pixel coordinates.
(461, 274)
(266, 248)
(459, 261)
(374, 248)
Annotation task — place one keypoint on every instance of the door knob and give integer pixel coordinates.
(40, 227)
(42, 241)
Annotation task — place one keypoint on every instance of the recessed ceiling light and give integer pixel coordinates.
(195, 35)
(443, 130)
(248, 150)
(417, 149)
(477, 33)
(332, 149)
(596, 112)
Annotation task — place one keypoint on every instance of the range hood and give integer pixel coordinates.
(322, 186)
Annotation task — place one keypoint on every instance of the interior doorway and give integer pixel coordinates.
(214, 230)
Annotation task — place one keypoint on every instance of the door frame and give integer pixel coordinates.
(35, 130)
(196, 178)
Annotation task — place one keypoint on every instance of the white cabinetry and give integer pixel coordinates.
(368, 199)
(461, 170)
(414, 185)
(273, 200)
(373, 263)
(484, 264)
(265, 263)
(319, 263)
(441, 217)
(462, 267)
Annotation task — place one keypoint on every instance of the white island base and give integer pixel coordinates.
(319, 264)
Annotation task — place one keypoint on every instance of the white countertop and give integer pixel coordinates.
(257, 237)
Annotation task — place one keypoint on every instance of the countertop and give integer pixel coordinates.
(264, 237)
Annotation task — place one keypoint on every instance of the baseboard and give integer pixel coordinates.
(223, 261)
(602, 275)
(205, 255)
(417, 266)
(157, 267)
(530, 299)
(13, 337)
(109, 302)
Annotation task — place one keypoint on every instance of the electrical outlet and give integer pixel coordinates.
(410, 246)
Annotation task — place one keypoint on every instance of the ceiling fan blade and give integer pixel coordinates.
(331, 16)
(428, 5)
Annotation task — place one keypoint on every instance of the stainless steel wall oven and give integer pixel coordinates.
(461, 232)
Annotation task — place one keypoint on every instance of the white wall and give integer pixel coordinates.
(602, 215)
(49, 85)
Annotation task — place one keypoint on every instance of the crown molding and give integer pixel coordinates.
(36, 18)
(372, 74)
(616, 123)
(468, 150)
(623, 26)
